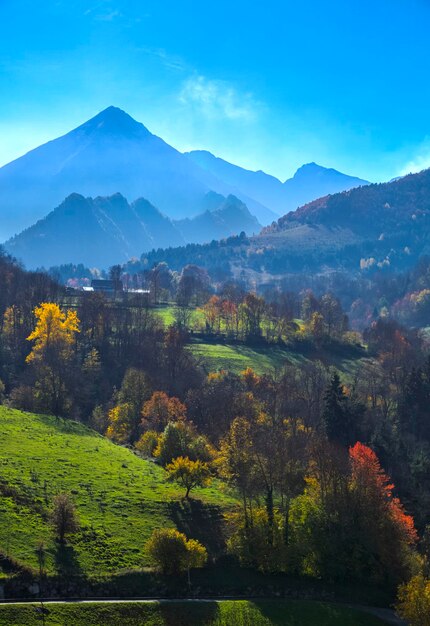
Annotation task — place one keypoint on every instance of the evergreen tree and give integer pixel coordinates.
(334, 414)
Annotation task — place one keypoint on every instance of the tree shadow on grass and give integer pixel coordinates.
(187, 613)
(66, 562)
(67, 426)
(200, 521)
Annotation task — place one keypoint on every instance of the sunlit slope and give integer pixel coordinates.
(120, 497)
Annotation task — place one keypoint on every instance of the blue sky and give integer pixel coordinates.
(269, 85)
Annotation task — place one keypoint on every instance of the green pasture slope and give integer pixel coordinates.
(120, 497)
(270, 358)
(236, 357)
(223, 613)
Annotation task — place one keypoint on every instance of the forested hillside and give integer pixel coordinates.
(315, 469)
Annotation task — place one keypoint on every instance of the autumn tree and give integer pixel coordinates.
(189, 474)
(134, 391)
(413, 601)
(161, 409)
(193, 286)
(121, 420)
(181, 439)
(212, 313)
(335, 322)
(252, 310)
(53, 339)
(238, 464)
(63, 517)
(389, 529)
(348, 524)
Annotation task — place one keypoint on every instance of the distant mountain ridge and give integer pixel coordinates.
(109, 153)
(112, 153)
(311, 181)
(376, 227)
(102, 231)
(371, 211)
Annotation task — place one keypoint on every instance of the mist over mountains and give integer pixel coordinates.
(103, 231)
(380, 226)
(112, 153)
(311, 181)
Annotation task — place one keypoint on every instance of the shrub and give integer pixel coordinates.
(147, 443)
(413, 603)
(171, 552)
(22, 397)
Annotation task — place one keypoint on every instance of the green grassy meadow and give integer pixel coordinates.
(237, 357)
(268, 359)
(120, 497)
(222, 613)
(167, 316)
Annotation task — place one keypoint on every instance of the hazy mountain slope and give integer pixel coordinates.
(370, 211)
(229, 218)
(106, 230)
(376, 226)
(246, 184)
(80, 230)
(312, 181)
(110, 153)
(309, 182)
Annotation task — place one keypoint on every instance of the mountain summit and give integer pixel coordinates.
(109, 153)
(113, 153)
(114, 121)
(311, 181)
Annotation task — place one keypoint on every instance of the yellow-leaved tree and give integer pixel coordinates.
(54, 333)
(53, 339)
(413, 603)
(189, 473)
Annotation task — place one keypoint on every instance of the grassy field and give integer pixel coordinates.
(167, 315)
(223, 613)
(120, 498)
(271, 358)
(236, 358)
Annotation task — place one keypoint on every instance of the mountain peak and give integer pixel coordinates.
(114, 121)
(309, 168)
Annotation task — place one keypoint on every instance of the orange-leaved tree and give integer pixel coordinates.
(388, 530)
(376, 492)
(161, 409)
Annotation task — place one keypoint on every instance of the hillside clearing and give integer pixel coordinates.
(120, 497)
